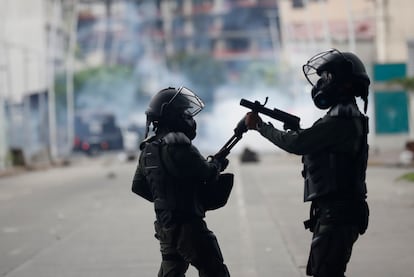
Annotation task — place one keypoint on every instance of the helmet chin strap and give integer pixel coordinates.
(147, 125)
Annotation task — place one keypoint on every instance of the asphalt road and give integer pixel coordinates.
(83, 220)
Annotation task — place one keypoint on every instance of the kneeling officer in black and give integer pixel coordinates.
(172, 174)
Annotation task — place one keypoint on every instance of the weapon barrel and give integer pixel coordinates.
(289, 119)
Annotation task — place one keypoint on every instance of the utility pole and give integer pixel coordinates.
(325, 22)
(381, 34)
(108, 42)
(309, 26)
(51, 83)
(3, 133)
(351, 27)
(274, 36)
(70, 75)
(26, 107)
(3, 90)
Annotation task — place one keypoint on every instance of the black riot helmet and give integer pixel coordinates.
(173, 110)
(329, 72)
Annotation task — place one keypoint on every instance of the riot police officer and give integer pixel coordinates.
(334, 154)
(171, 173)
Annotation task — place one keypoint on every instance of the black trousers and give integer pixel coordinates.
(331, 249)
(189, 243)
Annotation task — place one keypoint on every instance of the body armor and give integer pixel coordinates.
(339, 174)
(175, 199)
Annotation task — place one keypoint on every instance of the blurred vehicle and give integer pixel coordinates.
(96, 132)
(132, 136)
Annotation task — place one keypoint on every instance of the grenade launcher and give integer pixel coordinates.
(290, 122)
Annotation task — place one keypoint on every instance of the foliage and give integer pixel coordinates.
(203, 72)
(263, 72)
(407, 83)
(408, 177)
(102, 75)
(105, 74)
(201, 69)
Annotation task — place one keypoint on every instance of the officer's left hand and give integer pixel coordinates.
(223, 164)
(252, 119)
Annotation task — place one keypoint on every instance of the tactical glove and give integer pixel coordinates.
(221, 163)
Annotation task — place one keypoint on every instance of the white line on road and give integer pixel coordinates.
(246, 241)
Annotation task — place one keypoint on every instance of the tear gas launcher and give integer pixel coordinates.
(217, 193)
(291, 122)
(240, 129)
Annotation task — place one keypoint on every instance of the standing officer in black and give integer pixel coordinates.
(172, 174)
(335, 153)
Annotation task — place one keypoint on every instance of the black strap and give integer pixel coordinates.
(172, 257)
(311, 222)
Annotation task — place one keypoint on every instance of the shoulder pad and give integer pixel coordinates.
(176, 138)
(345, 110)
(145, 141)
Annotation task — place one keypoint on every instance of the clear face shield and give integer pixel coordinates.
(188, 101)
(312, 68)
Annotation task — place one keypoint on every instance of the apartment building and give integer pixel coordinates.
(228, 29)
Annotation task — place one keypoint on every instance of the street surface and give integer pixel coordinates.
(83, 220)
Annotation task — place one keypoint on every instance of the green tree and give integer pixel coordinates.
(103, 77)
(407, 83)
(204, 72)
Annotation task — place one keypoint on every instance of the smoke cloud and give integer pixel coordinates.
(127, 96)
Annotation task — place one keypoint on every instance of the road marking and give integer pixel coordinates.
(246, 242)
(9, 230)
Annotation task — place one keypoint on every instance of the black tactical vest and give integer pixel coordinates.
(339, 175)
(174, 197)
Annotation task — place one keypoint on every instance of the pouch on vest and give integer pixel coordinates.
(215, 194)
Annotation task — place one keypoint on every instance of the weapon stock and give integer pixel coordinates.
(290, 121)
(238, 133)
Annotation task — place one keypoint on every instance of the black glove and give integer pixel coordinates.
(221, 163)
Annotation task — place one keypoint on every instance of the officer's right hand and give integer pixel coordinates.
(251, 120)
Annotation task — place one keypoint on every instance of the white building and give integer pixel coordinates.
(32, 47)
(378, 30)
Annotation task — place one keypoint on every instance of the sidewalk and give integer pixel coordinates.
(387, 158)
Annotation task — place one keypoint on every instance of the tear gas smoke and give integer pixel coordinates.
(217, 121)
(216, 127)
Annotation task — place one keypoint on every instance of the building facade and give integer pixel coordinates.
(227, 29)
(33, 41)
(379, 31)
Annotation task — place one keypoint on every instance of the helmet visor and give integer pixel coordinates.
(189, 101)
(312, 69)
